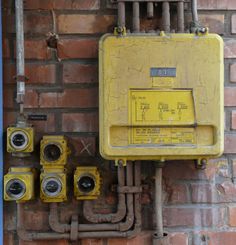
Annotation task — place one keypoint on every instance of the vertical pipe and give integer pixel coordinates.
(121, 14)
(181, 17)
(158, 202)
(150, 10)
(136, 17)
(1, 131)
(194, 11)
(20, 57)
(166, 16)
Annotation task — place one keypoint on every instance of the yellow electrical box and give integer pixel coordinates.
(53, 185)
(161, 96)
(53, 151)
(19, 184)
(87, 183)
(20, 140)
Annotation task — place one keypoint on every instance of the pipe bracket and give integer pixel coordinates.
(129, 189)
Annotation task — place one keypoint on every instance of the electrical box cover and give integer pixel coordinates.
(161, 97)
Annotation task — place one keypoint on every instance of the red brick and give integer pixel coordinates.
(230, 96)
(233, 24)
(5, 48)
(85, 24)
(80, 122)
(45, 126)
(49, 242)
(92, 242)
(215, 167)
(215, 22)
(71, 98)
(36, 73)
(34, 22)
(215, 238)
(36, 220)
(8, 238)
(37, 49)
(232, 216)
(230, 143)
(192, 217)
(233, 73)
(77, 48)
(62, 4)
(233, 120)
(142, 238)
(178, 238)
(177, 193)
(78, 73)
(217, 4)
(214, 193)
(230, 48)
(83, 146)
(31, 98)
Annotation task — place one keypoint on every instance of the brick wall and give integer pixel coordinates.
(199, 206)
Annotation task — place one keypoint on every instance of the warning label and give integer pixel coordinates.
(157, 107)
(162, 136)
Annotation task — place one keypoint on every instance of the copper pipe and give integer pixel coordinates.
(113, 217)
(166, 16)
(121, 14)
(181, 17)
(136, 17)
(150, 10)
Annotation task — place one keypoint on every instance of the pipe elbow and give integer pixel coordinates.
(128, 224)
(24, 235)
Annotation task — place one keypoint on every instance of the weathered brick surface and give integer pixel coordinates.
(217, 4)
(77, 48)
(233, 73)
(79, 73)
(63, 84)
(85, 23)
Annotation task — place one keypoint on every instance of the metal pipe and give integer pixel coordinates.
(194, 11)
(121, 207)
(136, 17)
(150, 10)
(20, 54)
(180, 17)
(158, 203)
(166, 16)
(121, 14)
(30, 236)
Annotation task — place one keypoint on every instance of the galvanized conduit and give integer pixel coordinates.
(180, 10)
(194, 11)
(121, 14)
(150, 10)
(113, 217)
(92, 232)
(136, 17)
(20, 57)
(166, 16)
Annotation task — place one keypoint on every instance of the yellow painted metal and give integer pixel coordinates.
(27, 132)
(23, 176)
(161, 97)
(91, 173)
(55, 141)
(57, 174)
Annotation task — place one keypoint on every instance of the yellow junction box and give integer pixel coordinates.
(53, 151)
(87, 183)
(53, 186)
(161, 97)
(19, 184)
